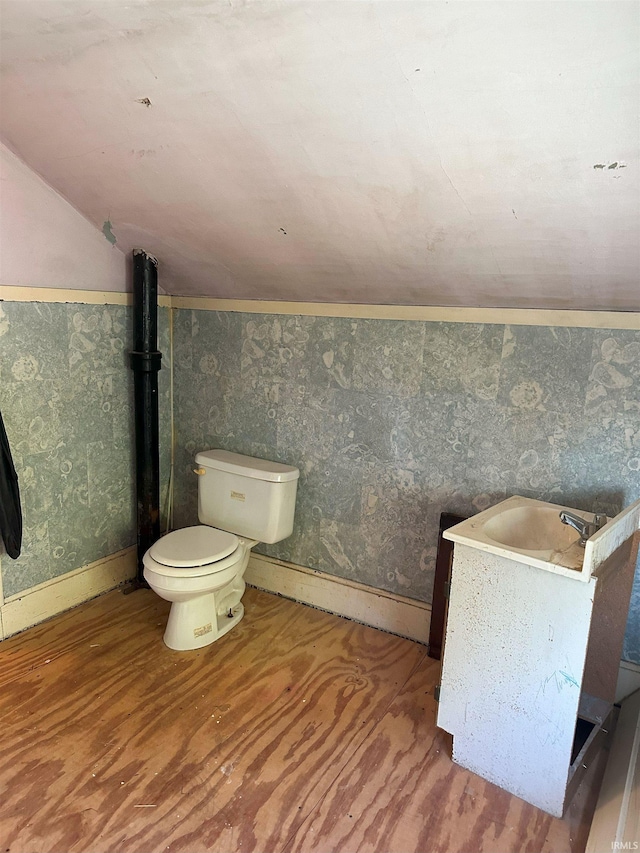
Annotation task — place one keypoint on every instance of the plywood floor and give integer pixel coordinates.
(298, 731)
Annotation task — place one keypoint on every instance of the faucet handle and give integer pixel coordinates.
(599, 520)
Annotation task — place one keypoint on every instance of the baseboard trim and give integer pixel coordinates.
(377, 608)
(62, 593)
(395, 614)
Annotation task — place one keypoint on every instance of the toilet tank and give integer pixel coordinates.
(250, 497)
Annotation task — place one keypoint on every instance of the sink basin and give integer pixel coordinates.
(528, 531)
(531, 528)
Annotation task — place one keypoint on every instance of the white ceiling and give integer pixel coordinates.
(430, 153)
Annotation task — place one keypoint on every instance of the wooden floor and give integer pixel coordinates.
(298, 731)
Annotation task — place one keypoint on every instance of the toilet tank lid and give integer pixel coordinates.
(247, 466)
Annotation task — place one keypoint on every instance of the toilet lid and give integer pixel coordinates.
(193, 546)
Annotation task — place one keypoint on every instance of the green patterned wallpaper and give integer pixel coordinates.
(393, 422)
(66, 399)
(390, 423)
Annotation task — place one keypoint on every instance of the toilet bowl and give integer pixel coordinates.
(242, 500)
(200, 571)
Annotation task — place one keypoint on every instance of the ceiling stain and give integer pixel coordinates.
(614, 165)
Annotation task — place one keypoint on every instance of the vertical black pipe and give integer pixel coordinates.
(146, 362)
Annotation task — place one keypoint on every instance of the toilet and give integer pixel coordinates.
(241, 501)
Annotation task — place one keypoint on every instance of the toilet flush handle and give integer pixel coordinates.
(200, 471)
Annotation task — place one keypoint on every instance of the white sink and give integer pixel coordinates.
(530, 531)
(531, 528)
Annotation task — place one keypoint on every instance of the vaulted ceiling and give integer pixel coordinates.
(428, 153)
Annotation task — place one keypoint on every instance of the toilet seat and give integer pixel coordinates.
(194, 548)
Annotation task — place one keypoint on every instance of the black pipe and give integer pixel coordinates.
(145, 362)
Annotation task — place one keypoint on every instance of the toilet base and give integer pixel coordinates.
(194, 624)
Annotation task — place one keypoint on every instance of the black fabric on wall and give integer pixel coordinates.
(10, 510)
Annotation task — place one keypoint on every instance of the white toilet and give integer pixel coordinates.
(200, 569)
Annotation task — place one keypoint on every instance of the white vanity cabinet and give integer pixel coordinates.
(532, 648)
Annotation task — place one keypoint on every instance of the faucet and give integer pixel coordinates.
(585, 528)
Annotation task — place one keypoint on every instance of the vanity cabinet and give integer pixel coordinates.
(532, 650)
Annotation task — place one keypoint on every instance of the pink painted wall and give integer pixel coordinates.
(45, 242)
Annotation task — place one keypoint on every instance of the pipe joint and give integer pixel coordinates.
(145, 362)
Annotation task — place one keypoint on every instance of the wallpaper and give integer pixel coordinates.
(393, 422)
(390, 422)
(66, 396)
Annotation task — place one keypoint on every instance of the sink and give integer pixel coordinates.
(531, 528)
(529, 531)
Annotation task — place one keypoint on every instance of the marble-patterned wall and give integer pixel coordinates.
(66, 396)
(390, 422)
(393, 422)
